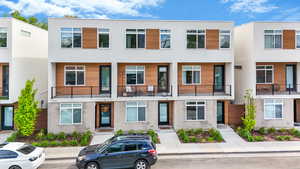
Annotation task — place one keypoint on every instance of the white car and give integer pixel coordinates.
(17, 155)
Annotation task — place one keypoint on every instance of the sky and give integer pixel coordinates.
(239, 11)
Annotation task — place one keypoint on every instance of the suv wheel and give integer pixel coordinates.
(92, 165)
(15, 167)
(141, 164)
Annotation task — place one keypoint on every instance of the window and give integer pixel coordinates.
(264, 74)
(74, 75)
(70, 37)
(130, 147)
(136, 112)
(103, 38)
(191, 74)
(273, 38)
(26, 149)
(135, 38)
(6, 154)
(165, 38)
(118, 147)
(195, 110)
(135, 75)
(273, 108)
(70, 113)
(3, 37)
(298, 39)
(225, 39)
(195, 39)
(25, 33)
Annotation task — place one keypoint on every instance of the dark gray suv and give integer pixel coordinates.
(126, 151)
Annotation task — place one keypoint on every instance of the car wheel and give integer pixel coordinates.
(15, 167)
(141, 164)
(92, 165)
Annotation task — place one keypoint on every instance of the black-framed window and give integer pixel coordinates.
(103, 38)
(191, 74)
(165, 38)
(135, 38)
(273, 39)
(195, 110)
(264, 74)
(71, 37)
(135, 75)
(74, 75)
(3, 37)
(225, 39)
(195, 39)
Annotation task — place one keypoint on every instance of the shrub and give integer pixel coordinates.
(51, 136)
(12, 137)
(186, 139)
(283, 138)
(202, 140)
(193, 139)
(215, 134)
(271, 130)
(131, 132)
(198, 131)
(119, 132)
(35, 144)
(295, 132)
(246, 134)
(249, 119)
(73, 142)
(54, 143)
(44, 143)
(153, 135)
(258, 138)
(40, 135)
(263, 131)
(61, 136)
(210, 139)
(64, 143)
(282, 130)
(76, 135)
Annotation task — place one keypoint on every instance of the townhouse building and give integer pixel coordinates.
(23, 56)
(267, 59)
(106, 75)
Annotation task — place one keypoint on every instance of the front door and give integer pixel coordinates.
(105, 79)
(163, 113)
(105, 115)
(290, 77)
(219, 78)
(163, 79)
(220, 112)
(7, 117)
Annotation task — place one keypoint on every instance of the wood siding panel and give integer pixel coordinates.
(212, 39)
(152, 37)
(289, 39)
(297, 118)
(235, 113)
(89, 38)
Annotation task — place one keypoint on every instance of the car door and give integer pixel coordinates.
(130, 154)
(112, 157)
(8, 158)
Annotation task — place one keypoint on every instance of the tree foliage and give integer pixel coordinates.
(27, 111)
(249, 119)
(31, 20)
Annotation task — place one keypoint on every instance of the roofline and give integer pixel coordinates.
(142, 20)
(12, 18)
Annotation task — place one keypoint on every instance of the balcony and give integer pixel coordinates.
(79, 92)
(277, 89)
(143, 90)
(204, 90)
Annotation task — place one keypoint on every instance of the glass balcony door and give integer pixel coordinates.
(105, 79)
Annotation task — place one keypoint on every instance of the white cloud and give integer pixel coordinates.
(291, 14)
(81, 8)
(250, 6)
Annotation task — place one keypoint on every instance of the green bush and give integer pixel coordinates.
(73, 142)
(271, 130)
(76, 135)
(246, 135)
(44, 143)
(210, 139)
(40, 135)
(283, 130)
(263, 131)
(119, 132)
(202, 140)
(198, 131)
(216, 135)
(35, 144)
(249, 119)
(50, 136)
(131, 132)
(64, 143)
(61, 136)
(258, 138)
(12, 137)
(186, 139)
(54, 143)
(283, 138)
(153, 135)
(193, 139)
(295, 132)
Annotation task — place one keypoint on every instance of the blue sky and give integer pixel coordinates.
(239, 11)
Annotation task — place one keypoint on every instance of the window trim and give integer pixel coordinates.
(137, 105)
(81, 32)
(170, 33)
(230, 39)
(6, 31)
(136, 70)
(274, 104)
(265, 73)
(84, 74)
(197, 34)
(274, 38)
(66, 124)
(109, 41)
(297, 33)
(136, 39)
(200, 80)
(204, 105)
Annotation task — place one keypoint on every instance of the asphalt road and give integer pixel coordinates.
(206, 163)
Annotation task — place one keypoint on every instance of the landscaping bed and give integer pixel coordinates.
(269, 134)
(151, 133)
(43, 139)
(199, 136)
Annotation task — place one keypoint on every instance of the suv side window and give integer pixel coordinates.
(5, 154)
(143, 146)
(130, 147)
(114, 148)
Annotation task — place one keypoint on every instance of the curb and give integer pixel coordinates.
(198, 153)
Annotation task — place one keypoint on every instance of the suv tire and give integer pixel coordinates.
(92, 165)
(15, 167)
(141, 164)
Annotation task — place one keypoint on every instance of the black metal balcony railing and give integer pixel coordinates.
(78, 92)
(277, 89)
(4, 94)
(143, 90)
(204, 90)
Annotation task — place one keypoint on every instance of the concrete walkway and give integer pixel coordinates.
(4, 135)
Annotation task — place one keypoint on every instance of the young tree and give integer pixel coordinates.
(249, 120)
(27, 111)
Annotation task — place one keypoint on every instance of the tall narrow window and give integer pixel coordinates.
(195, 110)
(264, 74)
(165, 38)
(135, 75)
(135, 38)
(191, 75)
(273, 38)
(74, 75)
(195, 39)
(135, 112)
(225, 39)
(3, 37)
(70, 37)
(103, 38)
(298, 39)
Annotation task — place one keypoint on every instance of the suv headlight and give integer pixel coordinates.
(33, 158)
(80, 158)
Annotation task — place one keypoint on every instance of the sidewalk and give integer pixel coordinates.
(170, 145)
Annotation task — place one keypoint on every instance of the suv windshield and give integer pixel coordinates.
(26, 149)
